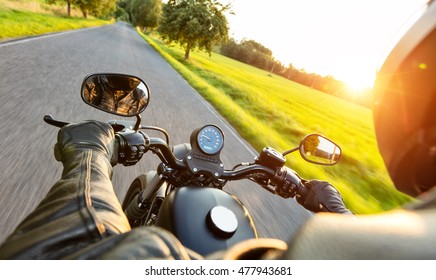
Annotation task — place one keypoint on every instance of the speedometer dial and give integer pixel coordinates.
(210, 139)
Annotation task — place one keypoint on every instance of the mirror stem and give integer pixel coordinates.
(291, 151)
(138, 122)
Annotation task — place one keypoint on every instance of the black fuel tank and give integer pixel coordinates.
(205, 220)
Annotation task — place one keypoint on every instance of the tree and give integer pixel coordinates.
(194, 23)
(69, 4)
(121, 14)
(123, 10)
(96, 7)
(256, 47)
(146, 13)
(253, 53)
(105, 8)
(86, 5)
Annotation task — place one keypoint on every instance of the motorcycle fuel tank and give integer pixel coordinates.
(206, 220)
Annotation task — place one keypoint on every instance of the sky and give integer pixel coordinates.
(345, 38)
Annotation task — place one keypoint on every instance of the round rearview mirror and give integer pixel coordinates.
(320, 150)
(119, 94)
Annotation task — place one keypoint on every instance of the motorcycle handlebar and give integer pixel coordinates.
(243, 173)
(166, 155)
(286, 181)
(133, 144)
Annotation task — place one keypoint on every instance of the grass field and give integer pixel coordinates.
(269, 110)
(22, 18)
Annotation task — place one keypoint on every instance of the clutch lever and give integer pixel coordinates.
(50, 120)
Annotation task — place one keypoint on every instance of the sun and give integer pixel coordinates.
(359, 81)
(357, 74)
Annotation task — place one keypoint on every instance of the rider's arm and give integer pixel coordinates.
(81, 208)
(81, 218)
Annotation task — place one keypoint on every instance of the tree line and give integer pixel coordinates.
(143, 13)
(202, 25)
(98, 8)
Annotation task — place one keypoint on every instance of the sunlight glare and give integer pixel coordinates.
(357, 72)
(359, 81)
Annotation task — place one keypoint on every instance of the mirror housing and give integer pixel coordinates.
(318, 149)
(118, 94)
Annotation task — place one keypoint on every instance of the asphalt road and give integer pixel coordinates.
(43, 75)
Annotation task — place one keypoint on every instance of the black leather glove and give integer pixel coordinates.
(322, 197)
(86, 135)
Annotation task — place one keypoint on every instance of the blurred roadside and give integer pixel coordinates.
(23, 18)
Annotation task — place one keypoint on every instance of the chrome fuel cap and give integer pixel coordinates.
(222, 221)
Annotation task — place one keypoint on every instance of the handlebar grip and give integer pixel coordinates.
(302, 191)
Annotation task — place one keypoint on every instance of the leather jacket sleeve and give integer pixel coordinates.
(80, 209)
(82, 218)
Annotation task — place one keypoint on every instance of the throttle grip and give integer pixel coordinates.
(302, 191)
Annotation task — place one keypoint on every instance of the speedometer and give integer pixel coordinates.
(210, 139)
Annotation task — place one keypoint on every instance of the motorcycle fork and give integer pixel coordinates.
(158, 198)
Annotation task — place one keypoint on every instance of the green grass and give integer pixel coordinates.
(268, 110)
(27, 18)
